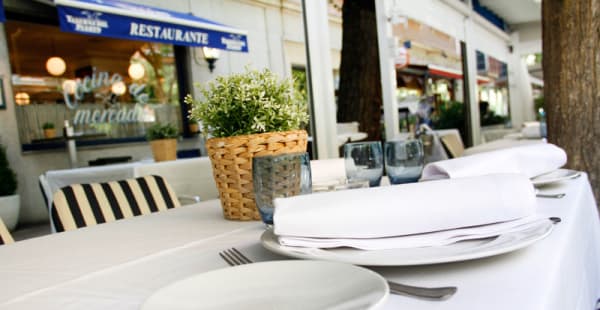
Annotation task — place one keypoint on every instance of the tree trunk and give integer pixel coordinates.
(359, 95)
(571, 63)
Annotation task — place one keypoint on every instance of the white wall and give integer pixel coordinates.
(530, 37)
(490, 44)
(434, 13)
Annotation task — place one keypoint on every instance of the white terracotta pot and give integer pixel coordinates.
(9, 210)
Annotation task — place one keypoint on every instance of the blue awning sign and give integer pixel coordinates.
(2, 15)
(124, 20)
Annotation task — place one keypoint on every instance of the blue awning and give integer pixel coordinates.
(124, 20)
(2, 15)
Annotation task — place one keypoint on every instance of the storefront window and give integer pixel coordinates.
(493, 90)
(110, 90)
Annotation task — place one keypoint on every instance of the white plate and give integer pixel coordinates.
(276, 285)
(555, 176)
(459, 251)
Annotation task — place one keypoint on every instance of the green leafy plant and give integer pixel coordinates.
(450, 115)
(48, 125)
(8, 185)
(247, 103)
(160, 131)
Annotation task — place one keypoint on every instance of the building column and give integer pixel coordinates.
(520, 93)
(386, 44)
(473, 101)
(320, 78)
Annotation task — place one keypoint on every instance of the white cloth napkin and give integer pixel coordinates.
(438, 238)
(406, 209)
(529, 160)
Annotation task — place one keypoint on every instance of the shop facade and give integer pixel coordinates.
(276, 40)
(111, 89)
(474, 33)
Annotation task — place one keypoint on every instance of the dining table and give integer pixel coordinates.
(119, 265)
(513, 140)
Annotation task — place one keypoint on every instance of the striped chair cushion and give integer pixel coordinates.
(5, 237)
(81, 205)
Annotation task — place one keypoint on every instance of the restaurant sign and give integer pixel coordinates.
(125, 20)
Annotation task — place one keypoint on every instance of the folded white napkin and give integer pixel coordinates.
(529, 160)
(406, 209)
(438, 238)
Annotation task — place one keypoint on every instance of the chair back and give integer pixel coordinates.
(5, 236)
(191, 177)
(81, 205)
(453, 144)
(45, 189)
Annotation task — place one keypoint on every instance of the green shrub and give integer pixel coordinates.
(160, 131)
(8, 183)
(248, 103)
(48, 125)
(450, 115)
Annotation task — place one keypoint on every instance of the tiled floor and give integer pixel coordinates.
(31, 231)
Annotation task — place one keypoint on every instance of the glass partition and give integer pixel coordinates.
(109, 90)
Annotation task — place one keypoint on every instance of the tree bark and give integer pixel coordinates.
(359, 94)
(571, 64)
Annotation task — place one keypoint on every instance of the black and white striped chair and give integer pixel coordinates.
(81, 205)
(5, 237)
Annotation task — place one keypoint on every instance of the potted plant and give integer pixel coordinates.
(193, 126)
(163, 141)
(49, 131)
(248, 114)
(9, 200)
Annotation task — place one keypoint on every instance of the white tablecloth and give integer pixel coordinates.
(118, 265)
(500, 144)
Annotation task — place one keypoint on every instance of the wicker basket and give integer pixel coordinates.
(231, 160)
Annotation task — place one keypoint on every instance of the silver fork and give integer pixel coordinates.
(538, 193)
(233, 257)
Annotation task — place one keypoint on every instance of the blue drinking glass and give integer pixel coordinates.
(364, 161)
(404, 161)
(277, 176)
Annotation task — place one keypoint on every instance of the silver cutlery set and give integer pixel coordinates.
(234, 257)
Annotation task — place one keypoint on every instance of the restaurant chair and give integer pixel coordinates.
(5, 237)
(81, 205)
(191, 178)
(453, 145)
(45, 189)
(102, 161)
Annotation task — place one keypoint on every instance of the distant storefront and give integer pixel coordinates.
(108, 68)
